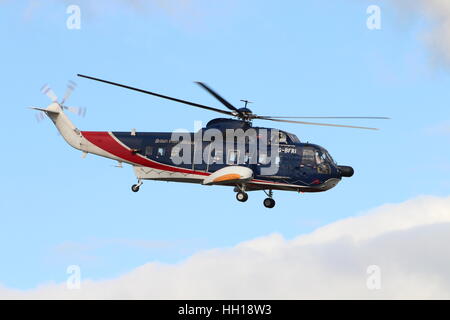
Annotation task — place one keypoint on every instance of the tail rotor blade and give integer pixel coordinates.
(40, 116)
(70, 88)
(49, 93)
(76, 110)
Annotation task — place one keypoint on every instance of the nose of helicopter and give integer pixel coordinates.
(346, 171)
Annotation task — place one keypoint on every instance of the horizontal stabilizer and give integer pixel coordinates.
(44, 110)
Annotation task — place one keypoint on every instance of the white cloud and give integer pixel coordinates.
(439, 129)
(408, 241)
(437, 31)
(184, 12)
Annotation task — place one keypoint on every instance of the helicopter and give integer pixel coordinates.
(226, 152)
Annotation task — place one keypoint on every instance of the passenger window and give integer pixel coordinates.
(160, 152)
(250, 158)
(233, 156)
(218, 157)
(263, 158)
(148, 151)
(274, 138)
(177, 151)
(277, 160)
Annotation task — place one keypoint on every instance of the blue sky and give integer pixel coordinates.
(300, 58)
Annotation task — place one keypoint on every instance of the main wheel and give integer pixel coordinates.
(241, 196)
(135, 188)
(269, 203)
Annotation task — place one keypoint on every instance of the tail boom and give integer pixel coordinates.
(71, 134)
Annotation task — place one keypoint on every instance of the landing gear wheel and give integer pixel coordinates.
(241, 196)
(135, 188)
(269, 203)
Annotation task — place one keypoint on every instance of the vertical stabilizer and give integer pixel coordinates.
(68, 131)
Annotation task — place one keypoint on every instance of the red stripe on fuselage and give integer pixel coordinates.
(105, 141)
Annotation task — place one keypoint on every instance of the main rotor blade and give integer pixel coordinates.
(376, 118)
(158, 95)
(218, 97)
(319, 124)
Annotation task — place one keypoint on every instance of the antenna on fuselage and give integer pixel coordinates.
(246, 102)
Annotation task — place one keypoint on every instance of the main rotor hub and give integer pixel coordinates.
(245, 111)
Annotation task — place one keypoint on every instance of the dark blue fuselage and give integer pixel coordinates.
(308, 166)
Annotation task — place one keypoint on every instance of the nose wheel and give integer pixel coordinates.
(269, 202)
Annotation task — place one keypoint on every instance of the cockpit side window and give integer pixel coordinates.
(308, 157)
(330, 159)
(323, 164)
(282, 137)
(318, 157)
(293, 138)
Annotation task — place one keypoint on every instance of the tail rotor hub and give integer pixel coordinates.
(58, 106)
